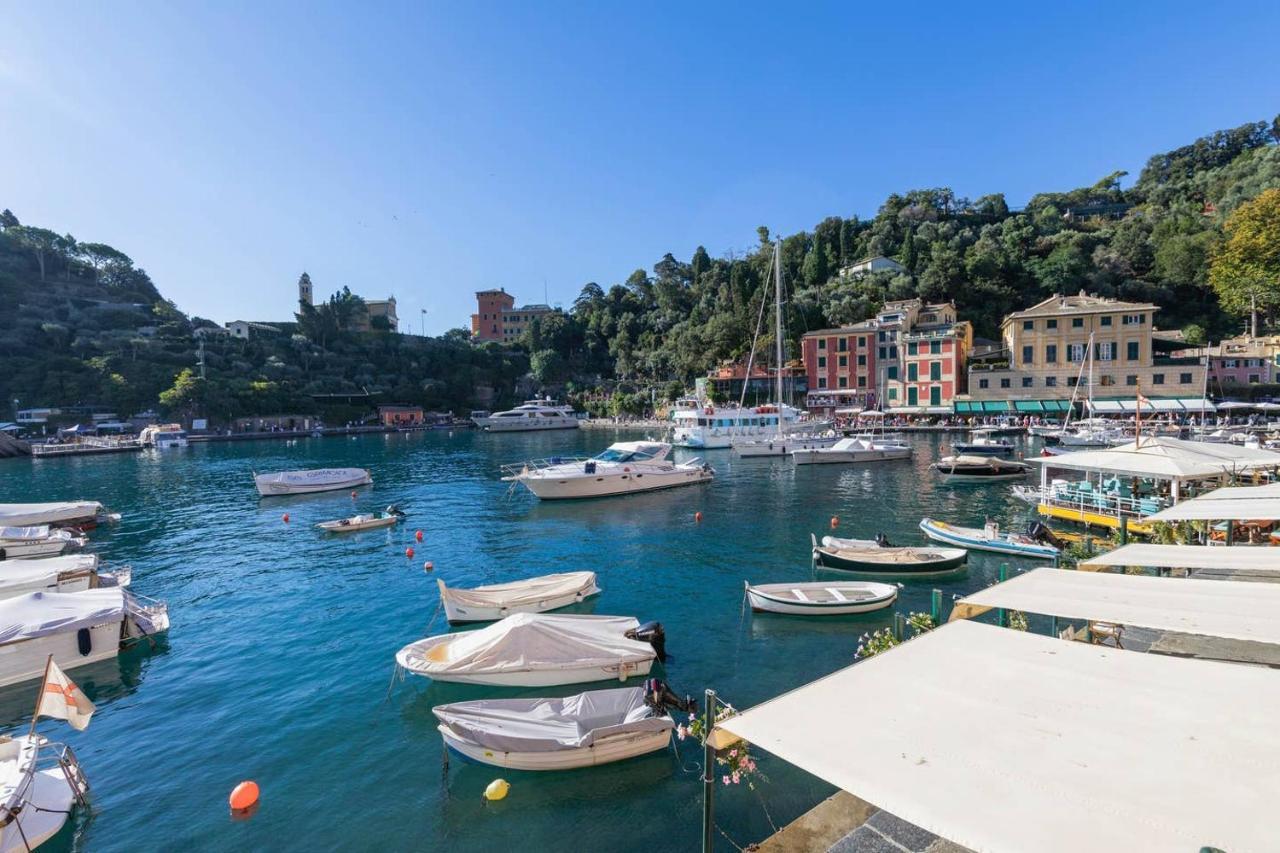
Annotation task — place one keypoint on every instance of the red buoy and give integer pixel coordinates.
(353, 495)
(285, 518)
(835, 522)
(408, 552)
(697, 516)
(418, 535)
(244, 796)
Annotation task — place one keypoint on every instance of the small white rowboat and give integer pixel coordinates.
(818, 598)
(532, 595)
(366, 521)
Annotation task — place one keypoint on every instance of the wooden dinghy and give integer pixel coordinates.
(819, 598)
(389, 517)
(912, 562)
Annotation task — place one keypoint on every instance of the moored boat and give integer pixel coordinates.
(984, 442)
(819, 598)
(83, 514)
(979, 468)
(528, 416)
(77, 628)
(539, 650)
(624, 468)
(584, 730)
(36, 541)
(40, 784)
(388, 517)
(533, 595)
(853, 450)
(309, 481)
(915, 562)
(988, 538)
(71, 573)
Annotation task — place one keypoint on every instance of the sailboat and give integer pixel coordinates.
(1091, 432)
(787, 437)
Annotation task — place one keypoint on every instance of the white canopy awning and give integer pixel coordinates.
(1238, 503)
(1166, 458)
(1000, 740)
(1141, 554)
(1211, 608)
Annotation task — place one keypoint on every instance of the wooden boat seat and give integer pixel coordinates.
(799, 595)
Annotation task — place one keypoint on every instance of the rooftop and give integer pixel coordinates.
(856, 328)
(1081, 303)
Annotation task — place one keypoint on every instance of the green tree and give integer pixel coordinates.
(547, 366)
(8, 220)
(183, 395)
(41, 242)
(1245, 271)
(100, 255)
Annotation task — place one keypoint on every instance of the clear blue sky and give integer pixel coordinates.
(432, 150)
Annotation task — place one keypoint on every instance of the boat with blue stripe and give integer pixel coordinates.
(988, 538)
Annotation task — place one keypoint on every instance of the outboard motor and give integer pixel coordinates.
(651, 633)
(1039, 532)
(882, 540)
(660, 697)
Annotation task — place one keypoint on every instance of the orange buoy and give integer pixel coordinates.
(244, 796)
(408, 552)
(697, 516)
(418, 535)
(353, 495)
(285, 518)
(428, 566)
(835, 522)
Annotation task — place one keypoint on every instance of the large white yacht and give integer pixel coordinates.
(529, 415)
(624, 468)
(705, 426)
(853, 450)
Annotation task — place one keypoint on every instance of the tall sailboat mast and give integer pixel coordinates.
(777, 281)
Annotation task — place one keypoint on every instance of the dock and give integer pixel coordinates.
(844, 823)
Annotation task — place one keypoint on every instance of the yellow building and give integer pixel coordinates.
(1046, 349)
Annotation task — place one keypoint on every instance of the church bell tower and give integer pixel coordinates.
(304, 290)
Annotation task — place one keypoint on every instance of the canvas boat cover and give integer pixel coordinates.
(32, 533)
(29, 574)
(24, 515)
(1005, 742)
(317, 477)
(551, 725)
(52, 565)
(543, 641)
(524, 592)
(39, 614)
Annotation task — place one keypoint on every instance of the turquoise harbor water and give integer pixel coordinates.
(279, 664)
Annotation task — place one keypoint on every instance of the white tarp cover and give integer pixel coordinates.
(549, 725)
(524, 592)
(23, 515)
(39, 614)
(31, 532)
(1239, 503)
(1250, 557)
(1009, 742)
(1211, 608)
(31, 574)
(543, 641)
(315, 477)
(1166, 458)
(53, 565)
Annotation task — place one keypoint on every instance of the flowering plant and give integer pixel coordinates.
(876, 642)
(739, 765)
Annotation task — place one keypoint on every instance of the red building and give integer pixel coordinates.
(934, 363)
(840, 366)
(486, 323)
(400, 416)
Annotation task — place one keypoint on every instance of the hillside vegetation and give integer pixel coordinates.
(1192, 234)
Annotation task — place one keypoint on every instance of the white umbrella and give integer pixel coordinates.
(1267, 407)
(1231, 405)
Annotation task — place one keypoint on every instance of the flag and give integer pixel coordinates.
(1143, 401)
(61, 698)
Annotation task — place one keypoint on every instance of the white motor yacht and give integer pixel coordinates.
(37, 541)
(853, 450)
(624, 468)
(704, 426)
(164, 436)
(529, 415)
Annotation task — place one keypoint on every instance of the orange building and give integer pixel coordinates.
(486, 323)
(400, 416)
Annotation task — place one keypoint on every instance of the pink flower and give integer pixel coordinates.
(681, 731)
(692, 717)
(735, 777)
(733, 753)
(725, 779)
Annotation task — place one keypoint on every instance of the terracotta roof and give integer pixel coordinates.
(860, 328)
(1082, 303)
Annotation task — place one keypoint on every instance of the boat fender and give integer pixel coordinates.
(84, 642)
(882, 540)
(653, 634)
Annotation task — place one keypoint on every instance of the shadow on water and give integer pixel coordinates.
(104, 681)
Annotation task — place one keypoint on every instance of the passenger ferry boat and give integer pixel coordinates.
(529, 415)
(705, 426)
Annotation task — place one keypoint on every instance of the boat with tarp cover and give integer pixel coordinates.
(979, 469)
(83, 514)
(491, 602)
(583, 730)
(889, 561)
(539, 650)
(307, 482)
(69, 573)
(36, 541)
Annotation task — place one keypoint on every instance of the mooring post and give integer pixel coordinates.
(1124, 530)
(899, 627)
(935, 607)
(1003, 576)
(708, 773)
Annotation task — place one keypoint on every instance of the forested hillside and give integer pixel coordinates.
(1194, 234)
(1153, 240)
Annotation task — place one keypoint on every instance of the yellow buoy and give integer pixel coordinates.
(497, 790)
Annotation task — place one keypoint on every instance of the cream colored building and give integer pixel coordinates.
(1046, 350)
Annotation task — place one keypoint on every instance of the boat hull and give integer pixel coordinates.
(828, 457)
(605, 750)
(762, 601)
(24, 660)
(781, 447)
(548, 677)
(528, 424)
(828, 560)
(609, 485)
(952, 536)
(457, 614)
(39, 801)
(268, 487)
(354, 527)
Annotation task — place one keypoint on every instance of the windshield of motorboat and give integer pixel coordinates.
(613, 454)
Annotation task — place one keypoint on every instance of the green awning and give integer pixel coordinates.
(964, 408)
(995, 406)
(1028, 405)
